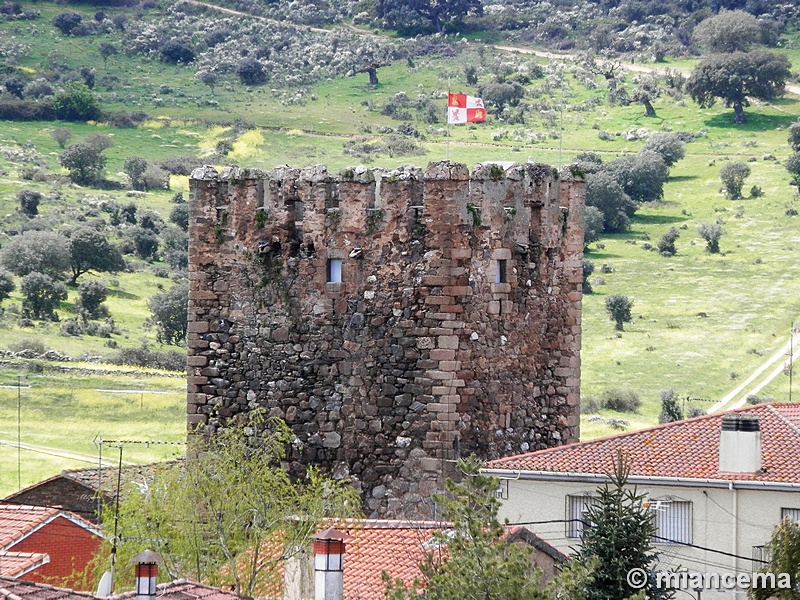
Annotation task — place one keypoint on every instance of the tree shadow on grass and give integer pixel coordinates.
(656, 220)
(678, 178)
(122, 294)
(754, 121)
(594, 254)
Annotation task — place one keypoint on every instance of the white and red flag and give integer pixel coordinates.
(464, 109)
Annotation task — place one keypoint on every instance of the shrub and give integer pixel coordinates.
(6, 285)
(670, 407)
(670, 146)
(592, 224)
(144, 241)
(590, 405)
(176, 52)
(155, 178)
(99, 141)
(666, 245)
(27, 110)
(134, 168)
(605, 194)
(91, 295)
(66, 22)
(29, 202)
(711, 234)
(88, 75)
(14, 86)
(619, 309)
(620, 400)
(61, 135)
(32, 345)
(251, 72)
(70, 328)
(733, 176)
(792, 165)
(85, 163)
(180, 165)
(76, 103)
(588, 269)
(41, 296)
(170, 314)
(144, 357)
(641, 176)
(471, 74)
(39, 88)
(794, 136)
(179, 215)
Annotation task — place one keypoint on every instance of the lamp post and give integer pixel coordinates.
(328, 564)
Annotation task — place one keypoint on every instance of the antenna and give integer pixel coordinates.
(791, 359)
(116, 523)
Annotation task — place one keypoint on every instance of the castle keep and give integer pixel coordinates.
(395, 319)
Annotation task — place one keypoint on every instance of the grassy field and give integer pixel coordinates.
(67, 420)
(702, 322)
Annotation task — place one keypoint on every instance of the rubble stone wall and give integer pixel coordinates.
(455, 328)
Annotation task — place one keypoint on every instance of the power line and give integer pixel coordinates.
(657, 537)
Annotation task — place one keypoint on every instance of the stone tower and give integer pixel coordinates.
(396, 320)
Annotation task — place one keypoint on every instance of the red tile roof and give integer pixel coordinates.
(181, 589)
(683, 449)
(13, 589)
(396, 547)
(16, 564)
(17, 521)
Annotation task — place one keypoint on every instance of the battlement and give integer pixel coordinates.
(396, 319)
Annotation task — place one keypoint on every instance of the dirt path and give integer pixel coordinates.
(761, 377)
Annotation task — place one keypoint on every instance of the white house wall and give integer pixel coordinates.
(730, 520)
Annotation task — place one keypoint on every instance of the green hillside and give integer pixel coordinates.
(701, 324)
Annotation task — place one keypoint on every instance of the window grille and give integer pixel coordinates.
(673, 520)
(792, 513)
(576, 514)
(761, 556)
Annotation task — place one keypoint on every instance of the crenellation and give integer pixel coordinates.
(437, 307)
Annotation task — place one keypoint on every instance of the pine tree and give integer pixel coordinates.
(785, 560)
(479, 562)
(617, 536)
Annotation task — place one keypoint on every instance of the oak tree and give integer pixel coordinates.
(737, 76)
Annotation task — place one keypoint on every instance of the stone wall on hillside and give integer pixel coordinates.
(395, 319)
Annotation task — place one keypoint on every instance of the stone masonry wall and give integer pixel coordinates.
(455, 328)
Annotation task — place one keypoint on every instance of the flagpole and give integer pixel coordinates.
(447, 120)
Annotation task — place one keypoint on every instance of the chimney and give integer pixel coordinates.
(740, 443)
(328, 564)
(146, 574)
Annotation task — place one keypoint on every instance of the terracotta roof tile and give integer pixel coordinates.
(19, 520)
(12, 589)
(396, 547)
(182, 589)
(16, 564)
(685, 449)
